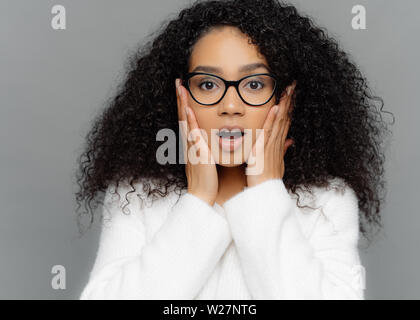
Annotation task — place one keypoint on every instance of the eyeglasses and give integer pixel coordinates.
(208, 89)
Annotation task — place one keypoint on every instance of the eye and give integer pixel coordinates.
(208, 85)
(254, 84)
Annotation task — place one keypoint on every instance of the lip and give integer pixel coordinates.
(230, 128)
(230, 145)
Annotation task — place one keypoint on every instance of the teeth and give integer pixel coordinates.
(224, 133)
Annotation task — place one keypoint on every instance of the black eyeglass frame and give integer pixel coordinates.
(227, 83)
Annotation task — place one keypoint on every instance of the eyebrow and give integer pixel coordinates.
(244, 68)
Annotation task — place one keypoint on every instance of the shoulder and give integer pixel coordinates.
(128, 212)
(341, 204)
(126, 200)
(134, 198)
(336, 207)
(121, 204)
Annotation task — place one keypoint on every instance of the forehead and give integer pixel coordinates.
(227, 49)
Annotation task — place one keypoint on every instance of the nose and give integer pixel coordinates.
(231, 103)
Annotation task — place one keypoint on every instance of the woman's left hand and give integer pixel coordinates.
(269, 149)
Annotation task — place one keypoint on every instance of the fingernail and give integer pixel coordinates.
(179, 91)
(276, 109)
(187, 110)
(288, 91)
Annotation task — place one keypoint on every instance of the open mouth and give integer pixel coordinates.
(225, 134)
(230, 140)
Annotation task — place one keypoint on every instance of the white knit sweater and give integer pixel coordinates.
(259, 245)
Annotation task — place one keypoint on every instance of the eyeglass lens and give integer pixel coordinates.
(255, 90)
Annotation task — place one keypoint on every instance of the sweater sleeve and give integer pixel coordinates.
(174, 264)
(279, 261)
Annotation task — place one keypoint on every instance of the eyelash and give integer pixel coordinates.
(262, 85)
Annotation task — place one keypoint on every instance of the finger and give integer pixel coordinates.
(195, 128)
(181, 113)
(286, 127)
(289, 103)
(268, 123)
(285, 131)
(178, 102)
(189, 126)
(278, 122)
(287, 144)
(192, 124)
(191, 119)
(189, 116)
(196, 132)
(266, 131)
(290, 92)
(181, 102)
(188, 134)
(283, 115)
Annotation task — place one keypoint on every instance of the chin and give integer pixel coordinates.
(230, 165)
(229, 161)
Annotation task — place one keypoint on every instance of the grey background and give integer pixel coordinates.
(53, 82)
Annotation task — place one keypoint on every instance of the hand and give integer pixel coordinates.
(201, 172)
(273, 143)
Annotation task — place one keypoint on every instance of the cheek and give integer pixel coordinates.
(258, 119)
(205, 122)
(257, 122)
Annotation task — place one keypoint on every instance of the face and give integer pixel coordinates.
(227, 49)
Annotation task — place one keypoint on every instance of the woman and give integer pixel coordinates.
(271, 210)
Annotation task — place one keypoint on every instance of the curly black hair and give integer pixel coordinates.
(336, 125)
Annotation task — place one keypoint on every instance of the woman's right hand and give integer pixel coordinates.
(202, 176)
